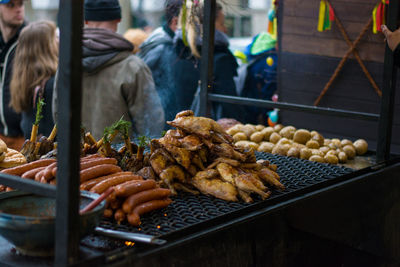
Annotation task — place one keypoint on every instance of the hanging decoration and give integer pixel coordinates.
(379, 16)
(183, 23)
(272, 20)
(326, 16)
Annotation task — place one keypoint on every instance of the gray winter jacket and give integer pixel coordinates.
(116, 83)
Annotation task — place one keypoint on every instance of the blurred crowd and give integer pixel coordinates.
(144, 78)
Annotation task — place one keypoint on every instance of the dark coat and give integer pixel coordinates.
(187, 75)
(9, 119)
(46, 123)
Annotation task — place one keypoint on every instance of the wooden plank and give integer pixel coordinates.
(329, 47)
(346, 10)
(308, 27)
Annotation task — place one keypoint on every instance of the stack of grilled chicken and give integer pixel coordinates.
(200, 156)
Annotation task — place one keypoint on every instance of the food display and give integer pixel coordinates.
(298, 143)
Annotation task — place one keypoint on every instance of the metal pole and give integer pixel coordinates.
(207, 54)
(69, 121)
(388, 91)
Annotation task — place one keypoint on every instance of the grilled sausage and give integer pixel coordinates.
(130, 188)
(131, 202)
(108, 213)
(48, 172)
(90, 183)
(97, 171)
(103, 185)
(119, 216)
(31, 173)
(19, 170)
(53, 181)
(91, 156)
(39, 175)
(97, 161)
(134, 217)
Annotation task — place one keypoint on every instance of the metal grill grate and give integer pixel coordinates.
(188, 210)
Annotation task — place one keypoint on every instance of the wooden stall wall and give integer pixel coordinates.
(308, 59)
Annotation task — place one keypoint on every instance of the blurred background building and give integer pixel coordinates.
(244, 18)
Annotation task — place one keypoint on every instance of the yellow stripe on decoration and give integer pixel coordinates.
(374, 28)
(275, 29)
(321, 17)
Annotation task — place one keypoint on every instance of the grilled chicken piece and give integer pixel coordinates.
(269, 177)
(175, 133)
(231, 162)
(160, 159)
(28, 150)
(227, 172)
(192, 170)
(202, 126)
(227, 151)
(248, 183)
(147, 173)
(205, 182)
(196, 160)
(181, 155)
(191, 142)
(171, 173)
(169, 140)
(245, 196)
(185, 188)
(251, 166)
(184, 113)
(203, 154)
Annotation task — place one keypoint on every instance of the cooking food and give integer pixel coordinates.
(300, 143)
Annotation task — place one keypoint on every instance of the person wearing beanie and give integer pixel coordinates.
(115, 83)
(12, 15)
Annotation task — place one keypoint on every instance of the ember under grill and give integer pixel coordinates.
(189, 211)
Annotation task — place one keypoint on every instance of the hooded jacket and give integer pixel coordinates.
(157, 52)
(186, 69)
(9, 119)
(116, 83)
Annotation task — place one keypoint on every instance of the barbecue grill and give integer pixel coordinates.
(197, 226)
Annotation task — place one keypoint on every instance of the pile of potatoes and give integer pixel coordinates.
(299, 143)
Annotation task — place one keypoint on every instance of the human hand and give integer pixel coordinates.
(392, 38)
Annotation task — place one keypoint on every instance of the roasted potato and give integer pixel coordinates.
(301, 136)
(317, 137)
(257, 137)
(247, 145)
(337, 142)
(284, 141)
(287, 132)
(342, 157)
(281, 149)
(267, 132)
(350, 151)
(274, 138)
(278, 127)
(361, 146)
(293, 152)
(259, 127)
(317, 152)
(305, 153)
(266, 147)
(332, 159)
(248, 129)
(317, 158)
(312, 144)
(327, 142)
(239, 137)
(324, 149)
(346, 142)
(235, 129)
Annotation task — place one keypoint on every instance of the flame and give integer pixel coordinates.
(165, 215)
(129, 243)
(158, 226)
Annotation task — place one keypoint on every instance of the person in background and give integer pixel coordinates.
(35, 64)
(187, 64)
(393, 41)
(12, 14)
(136, 37)
(157, 51)
(115, 83)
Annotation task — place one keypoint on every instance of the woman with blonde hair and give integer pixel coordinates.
(35, 64)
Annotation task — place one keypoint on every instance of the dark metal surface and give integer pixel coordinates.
(69, 123)
(207, 54)
(28, 220)
(194, 212)
(291, 106)
(388, 90)
(27, 185)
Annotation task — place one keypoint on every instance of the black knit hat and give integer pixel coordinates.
(102, 10)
